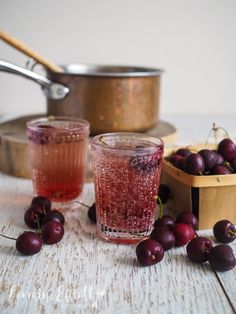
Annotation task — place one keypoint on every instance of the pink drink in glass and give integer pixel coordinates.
(58, 150)
(127, 168)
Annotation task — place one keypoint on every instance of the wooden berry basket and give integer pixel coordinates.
(209, 197)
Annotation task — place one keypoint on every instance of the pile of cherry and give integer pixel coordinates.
(169, 232)
(206, 161)
(49, 224)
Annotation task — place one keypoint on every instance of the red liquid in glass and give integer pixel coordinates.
(58, 164)
(125, 188)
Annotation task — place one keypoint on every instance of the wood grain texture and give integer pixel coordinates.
(83, 274)
(22, 47)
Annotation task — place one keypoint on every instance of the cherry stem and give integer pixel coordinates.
(38, 224)
(4, 236)
(224, 130)
(209, 134)
(161, 206)
(215, 129)
(101, 140)
(153, 257)
(82, 204)
(232, 232)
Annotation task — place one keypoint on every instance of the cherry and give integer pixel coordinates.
(227, 149)
(164, 221)
(42, 136)
(164, 236)
(171, 158)
(145, 163)
(233, 164)
(92, 213)
(46, 126)
(183, 152)
(29, 243)
(210, 158)
(176, 160)
(163, 193)
(194, 164)
(149, 252)
(183, 233)
(221, 258)
(224, 231)
(179, 162)
(189, 218)
(219, 159)
(53, 215)
(220, 169)
(198, 249)
(33, 216)
(52, 232)
(43, 202)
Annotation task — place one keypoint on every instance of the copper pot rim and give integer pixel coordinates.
(108, 70)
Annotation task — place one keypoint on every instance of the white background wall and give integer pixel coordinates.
(193, 40)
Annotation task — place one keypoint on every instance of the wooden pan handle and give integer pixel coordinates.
(29, 52)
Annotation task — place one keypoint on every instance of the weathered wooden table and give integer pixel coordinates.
(83, 274)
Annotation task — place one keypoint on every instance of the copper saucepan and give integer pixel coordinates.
(111, 98)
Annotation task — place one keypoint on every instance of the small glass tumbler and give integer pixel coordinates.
(127, 169)
(58, 151)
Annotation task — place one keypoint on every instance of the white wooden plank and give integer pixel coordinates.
(85, 274)
(228, 279)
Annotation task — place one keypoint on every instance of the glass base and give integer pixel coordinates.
(63, 206)
(68, 205)
(122, 237)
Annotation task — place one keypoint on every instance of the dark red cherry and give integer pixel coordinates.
(46, 126)
(29, 243)
(183, 233)
(221, 258)
(210, 158)
(189, 218)
(164, 236)
(194, 164)
(149, 252)
(43, 202)
(145, 163)
(52, 232)
(219, 159)
(171, 157)
(220, 170)
(92, 213)
(176, 160)
(183, 152)
(227, 149)
(233, 165)
(163, 193)
(53, 215)
(33, 216)
(224, 231)
(179, 162)
(198, 249)
(165, 221)
(41, 137)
